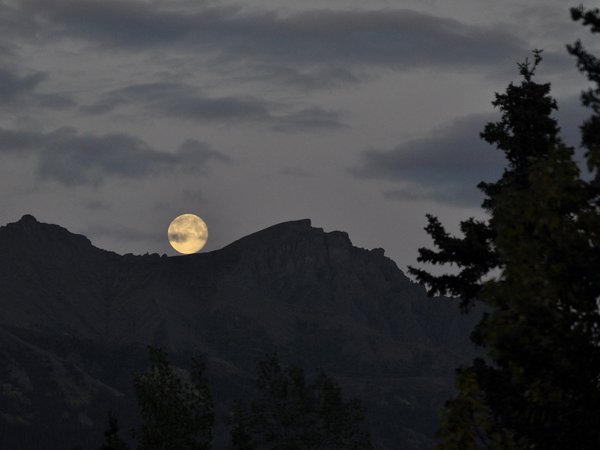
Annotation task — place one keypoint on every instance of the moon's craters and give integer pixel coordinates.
(188, 233)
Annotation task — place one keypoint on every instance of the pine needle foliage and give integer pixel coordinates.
(175, 413)
(293, 413)
(535, 265)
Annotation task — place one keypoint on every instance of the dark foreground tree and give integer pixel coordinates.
(176, 414)
(289, 413)
(292, 413)
(539, 387)
(112, 439)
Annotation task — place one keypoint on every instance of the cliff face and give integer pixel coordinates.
(74, 320)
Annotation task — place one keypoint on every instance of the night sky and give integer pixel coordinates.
(363, 116)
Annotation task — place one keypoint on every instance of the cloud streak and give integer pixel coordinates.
(324, 42)
(444, 167)
(74, 159)
(21, 90)
(182, 101)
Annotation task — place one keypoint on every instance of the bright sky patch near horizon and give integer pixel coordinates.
(362, 116)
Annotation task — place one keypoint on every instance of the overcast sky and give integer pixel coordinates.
(118, 115)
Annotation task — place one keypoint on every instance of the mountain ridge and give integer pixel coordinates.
(307, 294)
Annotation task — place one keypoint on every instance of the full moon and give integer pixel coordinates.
(187, 233)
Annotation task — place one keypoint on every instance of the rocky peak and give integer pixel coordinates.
(274, 235)
(297, 249)
(29, 233)
(297, 236)
(28, 220)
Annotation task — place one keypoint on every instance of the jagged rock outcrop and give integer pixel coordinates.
(74, 320)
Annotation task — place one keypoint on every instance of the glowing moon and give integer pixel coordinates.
(187, 233)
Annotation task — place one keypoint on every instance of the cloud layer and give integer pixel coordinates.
(184, 102)
(323, 43)
(22, 91)
(445, 166)
(72, 159)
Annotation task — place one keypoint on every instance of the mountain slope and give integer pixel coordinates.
(74, 320)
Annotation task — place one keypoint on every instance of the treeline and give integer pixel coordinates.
(289, 411)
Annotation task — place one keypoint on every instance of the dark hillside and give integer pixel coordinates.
(74, 321)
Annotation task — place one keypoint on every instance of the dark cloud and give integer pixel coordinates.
(185, 102)
(178, 237)
(390, 38)
(444, 167)
(86, 159)
(447, 166)
(12, 85)
(20, 90)
(17, 141)
(193, 155)
(456, 194)
(181, 101)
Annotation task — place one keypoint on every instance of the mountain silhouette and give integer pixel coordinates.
(75, 321)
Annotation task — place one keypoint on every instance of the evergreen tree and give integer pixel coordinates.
(590, 65)
(240, 437)
(175, 414)
(112, 440)
(538, 388)
(293, 414)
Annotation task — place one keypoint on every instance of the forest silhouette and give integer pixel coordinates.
(539, 386)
